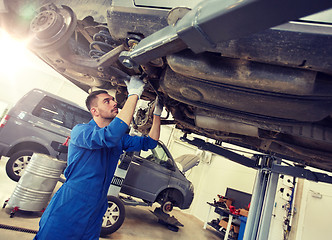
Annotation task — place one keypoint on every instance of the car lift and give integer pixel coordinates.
(268, 169)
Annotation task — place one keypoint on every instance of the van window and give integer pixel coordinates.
(60, 113)
(157, 155)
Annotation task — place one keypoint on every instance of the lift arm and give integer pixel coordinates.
(260, 161)
(214, 21)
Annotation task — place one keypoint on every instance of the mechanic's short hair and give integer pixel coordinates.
(92, 96)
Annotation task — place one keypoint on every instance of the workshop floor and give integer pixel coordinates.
(139, 224)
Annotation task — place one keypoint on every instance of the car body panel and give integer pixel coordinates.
(149, 177)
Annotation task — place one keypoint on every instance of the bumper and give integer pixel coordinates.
(187, 201)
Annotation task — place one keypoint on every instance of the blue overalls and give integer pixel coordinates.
(77, 208)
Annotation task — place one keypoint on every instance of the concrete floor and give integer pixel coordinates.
(139, 224)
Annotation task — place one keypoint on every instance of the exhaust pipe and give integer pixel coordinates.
(219, 124)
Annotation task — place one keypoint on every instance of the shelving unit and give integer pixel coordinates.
(229, 234)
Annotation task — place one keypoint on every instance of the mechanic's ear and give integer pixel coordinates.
(94, 111)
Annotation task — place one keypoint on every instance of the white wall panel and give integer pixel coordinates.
(37, 74)
(316, 210)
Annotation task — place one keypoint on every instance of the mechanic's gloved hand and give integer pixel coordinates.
(158, 107)
(135, 86)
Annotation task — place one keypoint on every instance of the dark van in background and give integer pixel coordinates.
(36, 120)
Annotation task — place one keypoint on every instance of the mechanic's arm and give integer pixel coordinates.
(135, 88)
(155, 128)
(127, 112)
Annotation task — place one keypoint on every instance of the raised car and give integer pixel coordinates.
(252, 73)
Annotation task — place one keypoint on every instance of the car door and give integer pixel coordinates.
(148, 174)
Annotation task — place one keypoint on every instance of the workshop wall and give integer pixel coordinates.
(312, 218)
(38, 75)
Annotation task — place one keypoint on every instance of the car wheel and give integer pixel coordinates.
(17, 163)
(167, 207)
(113, 217)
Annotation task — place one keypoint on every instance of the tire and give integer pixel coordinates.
(114, 216)
(16, 164)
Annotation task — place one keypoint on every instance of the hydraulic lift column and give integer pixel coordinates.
(262, 201)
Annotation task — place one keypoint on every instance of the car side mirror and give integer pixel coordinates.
(170, 165)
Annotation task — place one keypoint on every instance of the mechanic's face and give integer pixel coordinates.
(106, 106)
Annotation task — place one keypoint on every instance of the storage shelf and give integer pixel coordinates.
(223, 213)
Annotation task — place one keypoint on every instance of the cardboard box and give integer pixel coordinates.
(244, 212)
(236, 229)
(224, 223)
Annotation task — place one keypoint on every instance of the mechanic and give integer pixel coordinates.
(76, 210)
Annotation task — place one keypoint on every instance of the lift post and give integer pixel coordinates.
(261, 206)
(268, 169)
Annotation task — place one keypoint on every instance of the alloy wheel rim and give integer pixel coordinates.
(20, 164)
(111, 215)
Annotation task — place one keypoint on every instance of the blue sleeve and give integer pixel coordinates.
(92, 137)
(136, 143)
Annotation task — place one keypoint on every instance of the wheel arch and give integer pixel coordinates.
(33, 146)
(172, 194)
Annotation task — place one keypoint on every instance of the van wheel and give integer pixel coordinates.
(113, 217)
(17, 163)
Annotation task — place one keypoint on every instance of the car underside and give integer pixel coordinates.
(268, 90)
